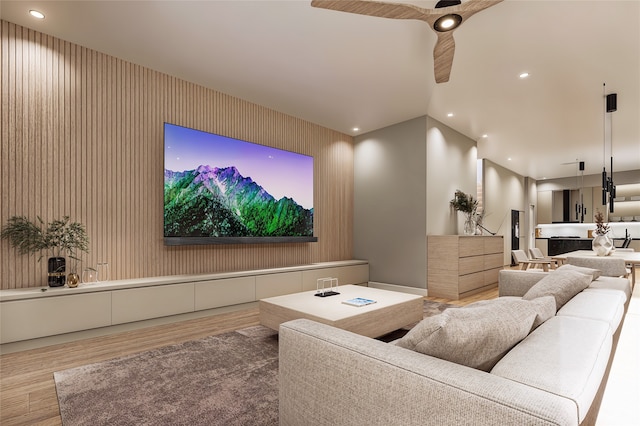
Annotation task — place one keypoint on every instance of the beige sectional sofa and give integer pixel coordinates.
(554, 376)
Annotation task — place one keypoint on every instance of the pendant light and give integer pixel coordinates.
(608, 187)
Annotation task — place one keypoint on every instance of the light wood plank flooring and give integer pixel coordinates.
(27, 390)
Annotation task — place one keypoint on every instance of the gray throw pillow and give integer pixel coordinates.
(545, 307)
(595, 273)
(562, 285)
(477, 335)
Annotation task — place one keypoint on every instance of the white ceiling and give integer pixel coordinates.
(342, 70)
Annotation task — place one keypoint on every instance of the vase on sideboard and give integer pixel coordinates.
(469, 225)
(56, 276)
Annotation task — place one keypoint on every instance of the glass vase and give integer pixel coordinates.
(89, 276)
(469, 226)
(102, 272)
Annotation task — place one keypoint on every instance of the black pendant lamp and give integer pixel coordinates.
(608, 187)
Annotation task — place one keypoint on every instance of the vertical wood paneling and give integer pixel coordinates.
(82, 135)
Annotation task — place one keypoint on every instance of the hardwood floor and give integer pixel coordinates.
(27, 390)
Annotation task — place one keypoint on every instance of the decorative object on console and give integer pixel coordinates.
(602, 244)
(102, 271)
(89, 275)
(73, 279)
(60, 237)
(468, 205)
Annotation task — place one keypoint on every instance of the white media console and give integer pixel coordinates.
(32, 313)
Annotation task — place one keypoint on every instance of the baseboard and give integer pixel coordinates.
(400, 288)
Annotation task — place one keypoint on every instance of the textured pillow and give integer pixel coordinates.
(545, 308)
(595, 273)
(477, 335)
(562, 285)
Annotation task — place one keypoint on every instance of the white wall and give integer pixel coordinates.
(504, 191)
(389, 203)
(405, 176)
(451, 164)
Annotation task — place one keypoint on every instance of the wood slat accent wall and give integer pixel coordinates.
(82, 135)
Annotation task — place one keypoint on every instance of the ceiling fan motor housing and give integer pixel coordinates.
(447, 3)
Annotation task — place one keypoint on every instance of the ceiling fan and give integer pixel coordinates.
(444, 18)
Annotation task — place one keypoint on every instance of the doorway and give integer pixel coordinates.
(515, 232)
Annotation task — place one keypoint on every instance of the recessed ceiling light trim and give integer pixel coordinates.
(524, 75)
(36, 14)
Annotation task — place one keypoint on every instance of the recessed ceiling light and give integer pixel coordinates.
(355, 129)
(36, 14)
(485, 136)
(450, 114)
(524, 75)
(509, 159)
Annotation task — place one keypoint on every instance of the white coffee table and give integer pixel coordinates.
(392, 310)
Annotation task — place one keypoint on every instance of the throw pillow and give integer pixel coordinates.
(477, 335)
(562, 285)
(545, 307)
(595, 273)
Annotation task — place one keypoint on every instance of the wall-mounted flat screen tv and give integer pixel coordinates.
(223, 190)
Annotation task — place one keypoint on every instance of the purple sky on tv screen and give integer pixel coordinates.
(281, 173)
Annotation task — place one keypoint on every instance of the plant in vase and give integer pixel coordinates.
(468, 205)
(58, 238)
(602, 243)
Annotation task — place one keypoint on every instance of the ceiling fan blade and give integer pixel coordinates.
(376, 8)
(443, 56)
(445, 46)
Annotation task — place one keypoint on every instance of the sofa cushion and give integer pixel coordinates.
(566, 356)
(477, 335)
(612, 283)
(607, 306)
(562, 285)
(595, 273)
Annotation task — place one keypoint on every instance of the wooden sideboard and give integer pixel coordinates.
(459, 266)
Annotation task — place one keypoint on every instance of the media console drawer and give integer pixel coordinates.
(138, 304)
(33, 318)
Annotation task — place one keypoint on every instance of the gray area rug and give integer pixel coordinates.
(228, 379)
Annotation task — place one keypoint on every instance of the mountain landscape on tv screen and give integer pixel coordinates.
(220, 202)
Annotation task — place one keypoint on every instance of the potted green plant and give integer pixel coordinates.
(59, 238)
(468, 205)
